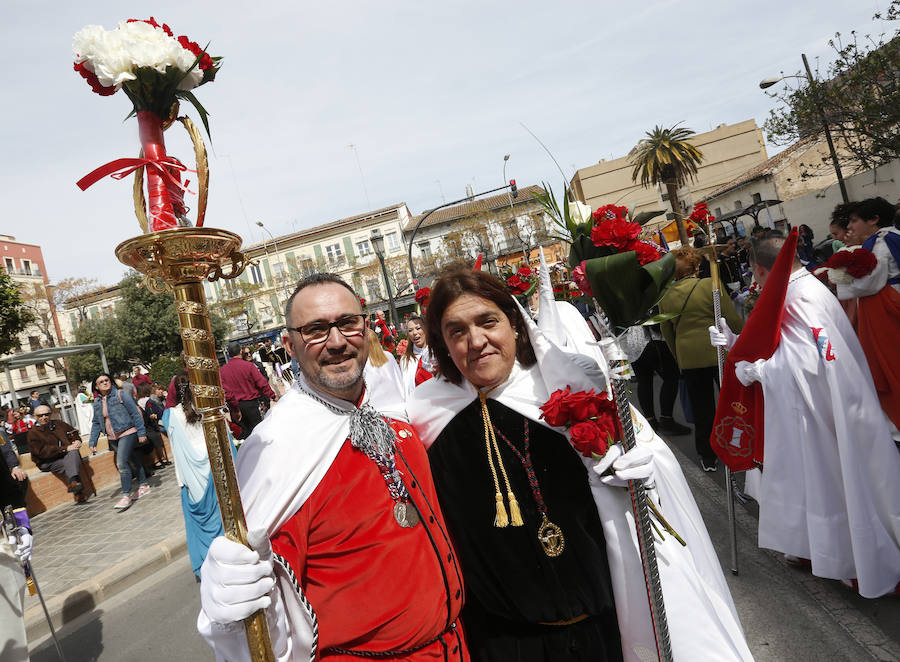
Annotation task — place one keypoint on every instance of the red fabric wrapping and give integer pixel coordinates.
(879, 328)
(737, 437)
(161, 204)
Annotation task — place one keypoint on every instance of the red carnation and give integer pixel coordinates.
(423, 294)
(646, 252)
(555, 411)
(525, 272)
(617, 233)
(514, 282)
(580, 278)
(590, 438)
(610, 213)
(93, 81)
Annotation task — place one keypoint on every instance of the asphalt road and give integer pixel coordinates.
(155, 620)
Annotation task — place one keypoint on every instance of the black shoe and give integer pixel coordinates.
(709, 465)
(671, 426)
(76, 487)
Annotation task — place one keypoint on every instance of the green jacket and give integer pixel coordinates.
(688, 334)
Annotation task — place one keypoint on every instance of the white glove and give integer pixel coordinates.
(636, 464)
(724, 338)
(24, 547)
(235, 581)
(748, 372)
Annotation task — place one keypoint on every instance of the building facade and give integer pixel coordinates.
(502, 229)
(25, 265)
(728, 152)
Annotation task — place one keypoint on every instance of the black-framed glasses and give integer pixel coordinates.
(318, 332)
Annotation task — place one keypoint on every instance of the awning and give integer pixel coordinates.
(48, 354)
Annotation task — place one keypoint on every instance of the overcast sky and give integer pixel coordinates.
(431, 94)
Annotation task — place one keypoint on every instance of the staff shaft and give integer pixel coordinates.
(209, 399)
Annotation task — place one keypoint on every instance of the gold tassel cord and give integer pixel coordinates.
(490, 443)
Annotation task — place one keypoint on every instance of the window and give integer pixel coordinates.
(334, 253)
(400, 276)
(279, 270)
(255, 274)
(665, 197)
(363, 248)
(41, 370)
(306, 266)
(373, 286)
(392, 241)
(757, 197)
(23, 374)
(425, 249)
(718, 212)
(738, 204)
(26, 267)
(10, 265)
(34, 342)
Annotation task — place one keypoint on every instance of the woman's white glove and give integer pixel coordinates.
(748, 372)
(724, 338)
(235, 581)
(24, 547)
(636, 464)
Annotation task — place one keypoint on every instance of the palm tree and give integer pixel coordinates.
(666, 157)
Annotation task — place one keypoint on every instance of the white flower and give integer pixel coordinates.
(113, 55)
(579, 212)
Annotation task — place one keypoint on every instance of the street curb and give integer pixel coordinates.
(88, 595)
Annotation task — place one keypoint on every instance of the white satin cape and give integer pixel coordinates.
(703, 622)
(278, 467)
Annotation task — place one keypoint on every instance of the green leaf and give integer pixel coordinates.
(626, 290)
(645, 216)
(200, 109)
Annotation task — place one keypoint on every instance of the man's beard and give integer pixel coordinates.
(340, 382)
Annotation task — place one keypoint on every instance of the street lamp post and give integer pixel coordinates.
(378, 246)
(280, 264)
(512, 210)
(769, 82)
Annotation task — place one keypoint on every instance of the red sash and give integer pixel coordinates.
(737, 437)
(422, 373)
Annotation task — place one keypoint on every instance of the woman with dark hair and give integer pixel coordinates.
(116, 414)
(202, 519)
(416, 363)
(878, 299)
(550, 569)
(152, 413)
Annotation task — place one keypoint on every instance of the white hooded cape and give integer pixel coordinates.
(829, 490)
(703, 622)
(278, 467)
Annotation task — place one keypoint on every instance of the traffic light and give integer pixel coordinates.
(513, 189)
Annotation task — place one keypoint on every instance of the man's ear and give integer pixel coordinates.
(288, 345)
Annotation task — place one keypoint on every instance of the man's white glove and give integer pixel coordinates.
(25, 545)
(748, 372)
(235, 581)
(636, 464)
(724, 338)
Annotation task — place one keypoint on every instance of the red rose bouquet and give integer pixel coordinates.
(848, 264)
(591, 418)
(700, 217)
(522, 282)
(423, 296)
(155, 70)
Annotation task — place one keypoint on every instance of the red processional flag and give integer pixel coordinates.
(737, 437)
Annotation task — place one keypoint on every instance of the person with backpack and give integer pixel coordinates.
(116, 414)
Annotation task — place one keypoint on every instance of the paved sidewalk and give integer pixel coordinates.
(96, 550)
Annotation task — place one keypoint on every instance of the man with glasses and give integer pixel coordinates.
(54, 446)
(341, 492)
(244, 385)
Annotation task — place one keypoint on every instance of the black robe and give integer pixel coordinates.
(512, 586)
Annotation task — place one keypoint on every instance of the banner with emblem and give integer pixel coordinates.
(737, 437)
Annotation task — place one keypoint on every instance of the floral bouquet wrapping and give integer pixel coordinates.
(155, 70)
(611, 262)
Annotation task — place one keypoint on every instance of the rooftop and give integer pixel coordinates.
(763, 169)
(474, 207)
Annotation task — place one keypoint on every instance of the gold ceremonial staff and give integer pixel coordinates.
(180, 259)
